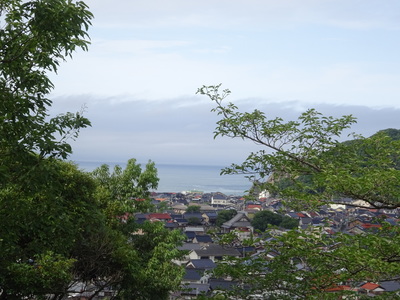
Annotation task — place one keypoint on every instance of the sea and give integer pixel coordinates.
(183, 178)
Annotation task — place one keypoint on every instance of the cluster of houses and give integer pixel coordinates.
(203, 247)
(204, 251)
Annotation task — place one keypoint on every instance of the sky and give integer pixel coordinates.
(138, 81)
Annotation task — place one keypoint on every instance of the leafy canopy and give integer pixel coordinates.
(263, 219)
(303, 163)
(308, 154)
(35, 36)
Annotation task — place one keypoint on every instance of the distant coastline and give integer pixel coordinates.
(179, 177)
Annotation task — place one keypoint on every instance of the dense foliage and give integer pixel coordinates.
(193, 209)
(264, 219)
(306, 166)
(62, 230)
(43, 203)
(224, 216)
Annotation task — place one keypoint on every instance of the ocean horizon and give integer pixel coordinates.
(179, 178)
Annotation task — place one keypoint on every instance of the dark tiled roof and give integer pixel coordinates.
(217, 250)
(203, 238)
(193, 274)
(205, 264)
(220, 284)
(193, 215)
(237, 221)
(189, 246)
(390, 286)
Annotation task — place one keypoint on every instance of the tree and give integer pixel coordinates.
(163, 206)
(140, 265)
(289, 223)
(41, 226)
(224, 216)
(44, 204)
(316, 169)
(35, 37)
(193, 209)
(264, 218)
(193, 221)
(128, 190)
(58, 225)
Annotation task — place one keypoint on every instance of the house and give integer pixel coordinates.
(219, 199)
(179, 208)
(140, 218)
(253, 207)
(202, 264)
(371, 289)
(190, 217)
(221, 285)
(390, 285)
(159, 217)
(171, 225)
(214, 252)
(202, 239)
(239, 223)
(196, 229)
(190, 235)
(210, 217)
(193, 275)
(186, 248)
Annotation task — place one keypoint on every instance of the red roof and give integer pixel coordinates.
(370, 286)
(339, 288)
(159, 216)
(254, 206)
(369, 225)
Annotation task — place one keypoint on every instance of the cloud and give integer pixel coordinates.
(169, 132)
(148, 58)
(352, 14)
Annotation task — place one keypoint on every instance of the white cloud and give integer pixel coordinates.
(148, 58)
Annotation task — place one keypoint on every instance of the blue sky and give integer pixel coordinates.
(147, 59)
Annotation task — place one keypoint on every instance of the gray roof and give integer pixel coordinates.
(203, 238)
(217, 250)
(193, 274)
(189, 246)
(205, 264)
(237, 222)
(390, 286)
(220, 284)
(195, 228)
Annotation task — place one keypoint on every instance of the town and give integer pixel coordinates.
(198, 216)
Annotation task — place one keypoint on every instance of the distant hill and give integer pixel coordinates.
(394, 134)
(358, 145)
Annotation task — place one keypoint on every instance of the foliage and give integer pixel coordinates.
(40, 227)
(141, 263)
(60, 226)
(306, 166)
(193, 221)
(224, 216)
(309, 265)
(193, 209)
(163, 206)
(126, 190)
(289, 223)
(310, 147)
(35, 37)
(263, 219)
(44, 203)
